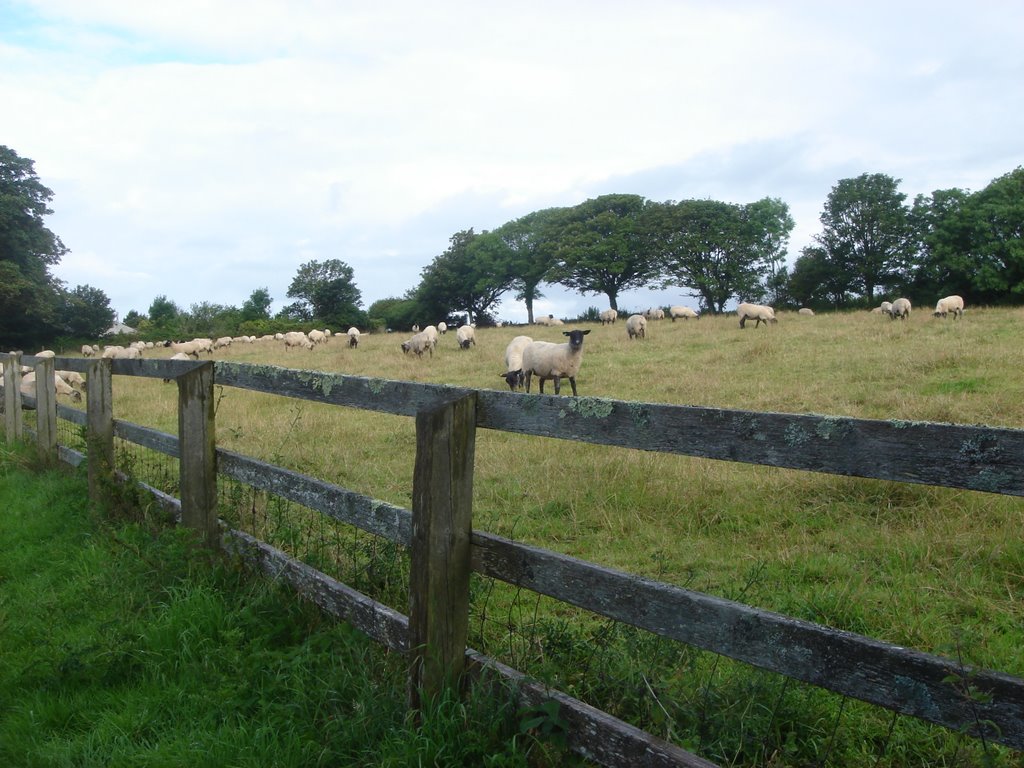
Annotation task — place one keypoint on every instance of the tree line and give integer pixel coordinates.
(873, 243)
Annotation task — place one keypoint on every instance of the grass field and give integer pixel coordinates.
(935, 569)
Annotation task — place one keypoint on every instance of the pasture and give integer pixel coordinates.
(935, 569)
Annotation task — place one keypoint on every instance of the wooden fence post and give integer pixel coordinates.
(442, 518)
(198, 459)
(99, 426)
(14, 421)
(46, 410)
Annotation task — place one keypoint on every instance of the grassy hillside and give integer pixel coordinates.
(935, 569)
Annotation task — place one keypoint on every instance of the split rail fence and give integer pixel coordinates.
(444, 549)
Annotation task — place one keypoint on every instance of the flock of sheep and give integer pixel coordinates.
(525, 358)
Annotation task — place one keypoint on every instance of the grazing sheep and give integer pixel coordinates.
(62, 388)
(296, 339)
(317, 337)
(442, 328)
(74, 378)
(431, 331)
(420, 343)
(954, 304)
(608, 316)
(188, 348)
(806, 311)
(900, 308)
(636, 327)
(684, 312)
(116, 352)
(466, 335)
(884, 308)
(353, 337)
(88, 350)
(654, 314)
(223, 341)
(514, 375)
(554, 361)
(758, 312)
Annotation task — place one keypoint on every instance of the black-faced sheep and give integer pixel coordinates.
(954, 304)
(353, 337)
(514, 375)
(546, 360)
(900, 308)
(758, 312)
(420, 343)
(465, 335)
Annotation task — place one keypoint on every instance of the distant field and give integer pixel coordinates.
(935, 569)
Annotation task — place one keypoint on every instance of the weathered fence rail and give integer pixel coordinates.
(900, 679)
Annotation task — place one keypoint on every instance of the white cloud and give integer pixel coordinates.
(194, 138)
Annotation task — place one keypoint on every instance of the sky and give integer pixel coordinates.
(204, 149)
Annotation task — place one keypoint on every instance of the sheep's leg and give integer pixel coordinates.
(558, 385)
(572, 380)
(743, 321)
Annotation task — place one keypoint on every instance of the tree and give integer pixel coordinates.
(815, 282)
(134, 319)
(532, 252)
(163, 315)
(326, 291)
(867, 233)
(257, 306)
(29, 294)
(470, 276)
(85, 313)
(602, 247)
(721, 250)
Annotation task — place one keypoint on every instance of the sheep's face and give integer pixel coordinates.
(575, 338)
(514, 379)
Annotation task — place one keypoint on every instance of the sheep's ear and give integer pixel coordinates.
(585, 332)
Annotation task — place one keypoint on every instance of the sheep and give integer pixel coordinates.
(420, 343)
(353, 337)
(806, 311)
(636, 327)
(296, 339)
(900, 308)
(514, 375)
(62, 388)
(188, 348)
(684, 312)
(954, 304)
(608, 316)
(74, 378)
(465, 335)
(46, 353)
(88, 350)
(223, 341)
(115, 352)
(758, 312)
(549, 320)
(442, 328)
(654, 314)
(317, 337)
(431, 331)
(416, 328)
(547, 360)
(885, 308)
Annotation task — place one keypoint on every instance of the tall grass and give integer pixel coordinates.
(937, 569)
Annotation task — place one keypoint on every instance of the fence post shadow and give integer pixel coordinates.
(441, 545)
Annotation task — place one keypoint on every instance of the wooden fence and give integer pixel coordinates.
(445, 550)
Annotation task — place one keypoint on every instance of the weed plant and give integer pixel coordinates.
(936, 569)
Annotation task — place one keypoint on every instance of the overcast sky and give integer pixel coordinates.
(202, 149)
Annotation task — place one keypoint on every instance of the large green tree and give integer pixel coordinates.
(326, 291)
(164, 315)
(29, 294)
(85, 313)
(721, 250)
(532, 250)
(602, 246)
(257, 306)
(867, 233)
(470, 276)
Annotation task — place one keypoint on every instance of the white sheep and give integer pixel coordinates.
(420, 343)
(900, 308)
(296, 339)
(549, 321)
(654, 314)
(636, 327)
(514, 375)
(317, 337)
(74, 378)
(46, 353)
(353, 337)
(62, 388)
(608, 316)
(758, 312)
(442, 328)
(431, 331)
(466, 335)
(806, 311)
(684, 312)
(884, 308)
(188, 348)
(223, 341)
(954, 304)
(554, 361)
(117, 352)
(88, 350)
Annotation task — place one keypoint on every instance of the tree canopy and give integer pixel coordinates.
(326, 291)
(470, 276)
